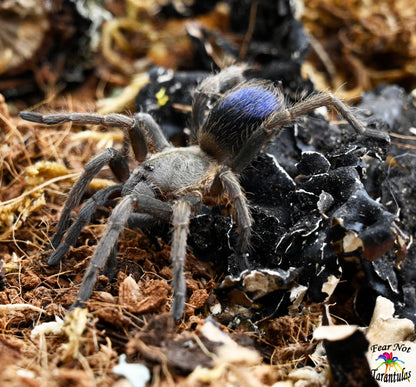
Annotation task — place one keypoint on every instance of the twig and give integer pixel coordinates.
(39, 187)
(4, 309)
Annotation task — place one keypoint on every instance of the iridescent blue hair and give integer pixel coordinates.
(235, 117)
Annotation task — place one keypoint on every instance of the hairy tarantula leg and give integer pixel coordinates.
(136, 127)
(104, 249)
(83, 218)
(209, 91)
(231, 186)
(250, 149)
(137, 199)
(110, 265)
(284, 116)
(120, 169)
(147, 123)
(137, 137)
(112, 120)
(315, 101)
(180, 222)
(136, 220)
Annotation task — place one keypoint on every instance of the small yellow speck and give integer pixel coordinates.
(161, 97)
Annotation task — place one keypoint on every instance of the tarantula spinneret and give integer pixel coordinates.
(231, 121)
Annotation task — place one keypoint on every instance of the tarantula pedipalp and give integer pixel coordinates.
(170, 184)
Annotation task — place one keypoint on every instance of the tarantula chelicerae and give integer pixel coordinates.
(231, 120)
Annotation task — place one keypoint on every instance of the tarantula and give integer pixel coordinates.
(231, 121)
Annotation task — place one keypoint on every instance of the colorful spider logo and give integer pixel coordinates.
(391, 361)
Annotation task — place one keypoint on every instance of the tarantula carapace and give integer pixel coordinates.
(231, 121)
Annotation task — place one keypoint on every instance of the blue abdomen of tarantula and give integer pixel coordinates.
(235, 117)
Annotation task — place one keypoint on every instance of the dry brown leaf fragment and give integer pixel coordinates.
(198, 298)
(129, 292)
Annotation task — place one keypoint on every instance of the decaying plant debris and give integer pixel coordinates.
(334, 214)
(358, 45)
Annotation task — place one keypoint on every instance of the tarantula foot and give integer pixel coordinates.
(31, 116)
(77, 304)
(178, 306)
(58, 254)
(378, 135)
